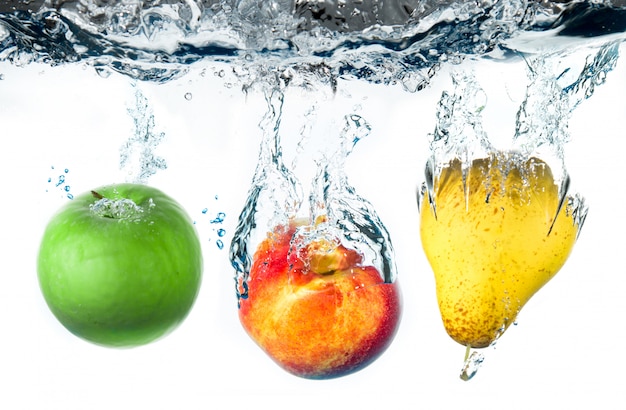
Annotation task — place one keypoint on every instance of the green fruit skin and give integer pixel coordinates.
(117, 282)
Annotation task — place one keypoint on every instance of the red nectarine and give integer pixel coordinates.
(319, 313)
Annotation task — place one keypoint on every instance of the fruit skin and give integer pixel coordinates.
(120, 281)
(319, 315)
(492, 250)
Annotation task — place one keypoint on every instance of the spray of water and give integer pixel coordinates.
(137, 155)
(403, 42)
(334, 211)
(274, 197)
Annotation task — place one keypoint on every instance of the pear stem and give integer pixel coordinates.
(467, 353)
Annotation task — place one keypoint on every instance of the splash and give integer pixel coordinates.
(349, 216)
(541, 127)
(274, 197)
(137, 155)
(552, 96)
(401, 43)
(334, 213)
(459, 130)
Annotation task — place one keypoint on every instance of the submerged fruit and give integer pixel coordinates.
(318, 313)
(121, 265)
(493, 238)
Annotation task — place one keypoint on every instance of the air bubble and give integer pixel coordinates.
(103, 72)
(122, 209)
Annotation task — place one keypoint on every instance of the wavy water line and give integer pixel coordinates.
(156, 41)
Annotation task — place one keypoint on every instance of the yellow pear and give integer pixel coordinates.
(494, 237)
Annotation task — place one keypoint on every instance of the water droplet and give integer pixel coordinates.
(188, 96)
(61, 180)
(221, 233)
(220, 244)
(472, 363)
(219, 218)
(205, 210)
(70, 196)
(66, 188)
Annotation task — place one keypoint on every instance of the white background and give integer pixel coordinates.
(565, 352)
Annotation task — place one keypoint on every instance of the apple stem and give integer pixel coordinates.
(96, 195)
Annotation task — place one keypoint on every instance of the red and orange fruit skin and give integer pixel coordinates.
(319, 314)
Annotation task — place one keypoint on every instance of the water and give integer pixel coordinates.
(404, 43)
(61, 184)
(217, 233)
(273, 47)
(473, 361)
(122, 209)
(138, 156)
(541, 124)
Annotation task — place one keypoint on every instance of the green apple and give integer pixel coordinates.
(121, 265)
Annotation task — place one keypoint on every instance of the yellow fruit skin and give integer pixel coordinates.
(494, 248)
